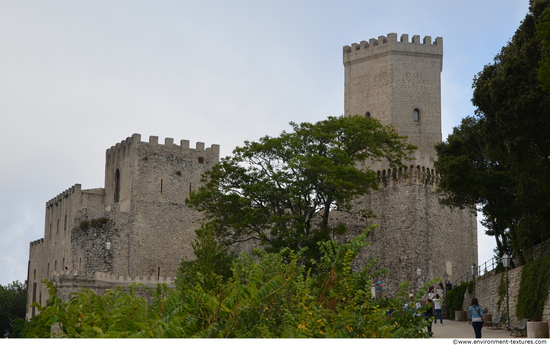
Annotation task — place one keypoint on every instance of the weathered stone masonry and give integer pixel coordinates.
(398, 82)
(141, 214)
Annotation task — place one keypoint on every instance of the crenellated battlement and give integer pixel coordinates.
(111, 278)
(408, 175)
(65, 194)
(390, 44)
(124, 146)
(39, 241)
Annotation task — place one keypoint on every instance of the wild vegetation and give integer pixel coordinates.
(268, 296)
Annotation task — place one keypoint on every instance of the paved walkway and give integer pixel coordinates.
(463, 329)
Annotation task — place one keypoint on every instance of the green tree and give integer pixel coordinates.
(212, 262)
(470, 177)
(38, 327)
(13, 305)
(500, 159)
(543, 30)
(279, 191)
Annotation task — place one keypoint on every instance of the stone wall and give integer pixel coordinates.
(100, 282)
(415, 231)
(150, 227)
(487, 295)
(52, 252)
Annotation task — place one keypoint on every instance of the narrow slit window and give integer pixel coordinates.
(117, 186)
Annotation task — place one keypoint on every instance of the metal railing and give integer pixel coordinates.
(482, 269)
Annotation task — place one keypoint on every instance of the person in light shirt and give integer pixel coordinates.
(437, 307)
(476, 314)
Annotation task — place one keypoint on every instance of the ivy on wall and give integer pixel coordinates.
(501, 291)
(455, 297)
(533, 289)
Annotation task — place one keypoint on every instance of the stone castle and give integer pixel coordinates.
(398, 82)
(138, 228)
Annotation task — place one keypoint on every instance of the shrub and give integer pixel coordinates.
(269, 295)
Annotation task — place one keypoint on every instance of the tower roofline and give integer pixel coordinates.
(384, 45)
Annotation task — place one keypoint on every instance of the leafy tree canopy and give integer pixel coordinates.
(500, 159)
(13, 305)
(212, 262)
(280, 190)
(543, 29)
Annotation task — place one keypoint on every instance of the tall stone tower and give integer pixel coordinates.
(398, 83)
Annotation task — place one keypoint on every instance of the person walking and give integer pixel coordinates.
(476, 314)
(437, 307)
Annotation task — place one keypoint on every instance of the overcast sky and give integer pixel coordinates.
(76, 77)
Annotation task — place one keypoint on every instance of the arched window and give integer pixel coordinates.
(117, 186)
(367, 115)
(416, 115)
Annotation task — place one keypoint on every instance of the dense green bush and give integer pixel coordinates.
(534, 288)
(455, 297)
(269, 296)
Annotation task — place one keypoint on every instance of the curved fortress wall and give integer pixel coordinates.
(398, 82)
(414, 231)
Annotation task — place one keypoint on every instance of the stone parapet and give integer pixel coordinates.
(116, 280)
(357, 53)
